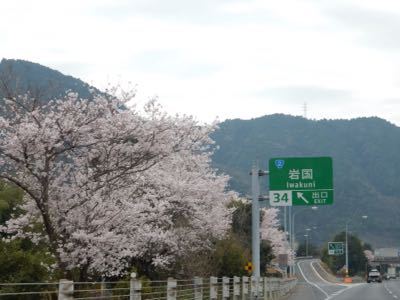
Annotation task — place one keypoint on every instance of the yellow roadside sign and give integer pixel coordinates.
(249, 267)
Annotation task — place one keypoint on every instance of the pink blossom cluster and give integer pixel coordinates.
(105, 184)
(270, 231)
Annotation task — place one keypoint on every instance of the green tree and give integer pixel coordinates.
(241, 222)
(312, 249)
(20, 259)
(241, 228)
(230, 257)
(357, 259)
(265, 255)
(367, 246)
(10, 200)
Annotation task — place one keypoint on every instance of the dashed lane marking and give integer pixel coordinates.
(328, 297)
(323, 279)
(312, 283)
(389, 291)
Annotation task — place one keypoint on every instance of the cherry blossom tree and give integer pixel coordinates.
(108, 185)
(369, 255)
(271, 232)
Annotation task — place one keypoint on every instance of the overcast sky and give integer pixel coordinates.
(220, 58)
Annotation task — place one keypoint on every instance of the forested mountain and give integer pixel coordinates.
(366, 158)
(41, 82)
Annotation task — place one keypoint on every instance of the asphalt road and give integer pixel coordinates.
(316, 284)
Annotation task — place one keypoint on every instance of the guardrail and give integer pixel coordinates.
(212, 288)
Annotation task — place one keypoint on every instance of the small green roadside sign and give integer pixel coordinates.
(300, 181)
(335, 248)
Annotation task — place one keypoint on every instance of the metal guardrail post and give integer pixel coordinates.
(236, 288)
(105, 292)
(274, 288)
(253, 287)
(198, 288)
(285, 287)
(260, 287)
(271, 289)
(225, 288)
(279, 289)
(171, 289)
(245, 287)
(213, 287)
(65, 290)
(103, 288)
(266, 289)
(135, 286)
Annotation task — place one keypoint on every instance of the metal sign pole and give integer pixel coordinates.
(285, 221)
(255, 220)
(347, 252)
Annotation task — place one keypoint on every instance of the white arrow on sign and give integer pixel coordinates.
(300, 196)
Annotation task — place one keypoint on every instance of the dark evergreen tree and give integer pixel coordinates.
(357, 259)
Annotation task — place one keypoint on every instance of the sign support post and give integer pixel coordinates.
(347, 251)
(255, 220)
(255, 217)
(291, 267)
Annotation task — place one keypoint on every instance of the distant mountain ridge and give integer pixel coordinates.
(24, 76)
(366, 160)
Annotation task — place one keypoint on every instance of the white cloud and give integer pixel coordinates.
(214, 58)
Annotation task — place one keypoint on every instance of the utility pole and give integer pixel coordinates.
(291, 268)
(255, 217)
(285, 221)
(347, 251)
(306, 235)
(347, 278)
(255, 220)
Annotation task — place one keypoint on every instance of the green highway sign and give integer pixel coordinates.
(300, 181)
(335, 248)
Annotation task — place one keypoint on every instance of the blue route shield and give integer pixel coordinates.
(279, 163)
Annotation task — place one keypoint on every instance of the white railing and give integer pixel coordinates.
(213, 288)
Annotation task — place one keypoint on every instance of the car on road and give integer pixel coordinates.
(374, 276)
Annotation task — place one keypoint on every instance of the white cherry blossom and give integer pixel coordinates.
(108, 184)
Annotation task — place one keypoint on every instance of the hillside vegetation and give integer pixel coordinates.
(366, 160)
(41, 82)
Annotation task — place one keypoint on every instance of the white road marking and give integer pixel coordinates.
(312, 283)
(341, 291)
(389, 291)
(328, 297)
(323, 279)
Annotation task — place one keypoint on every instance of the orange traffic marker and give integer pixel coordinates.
(348, 280)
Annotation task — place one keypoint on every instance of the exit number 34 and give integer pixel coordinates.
(280, 198)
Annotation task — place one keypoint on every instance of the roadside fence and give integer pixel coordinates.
(212, 288)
